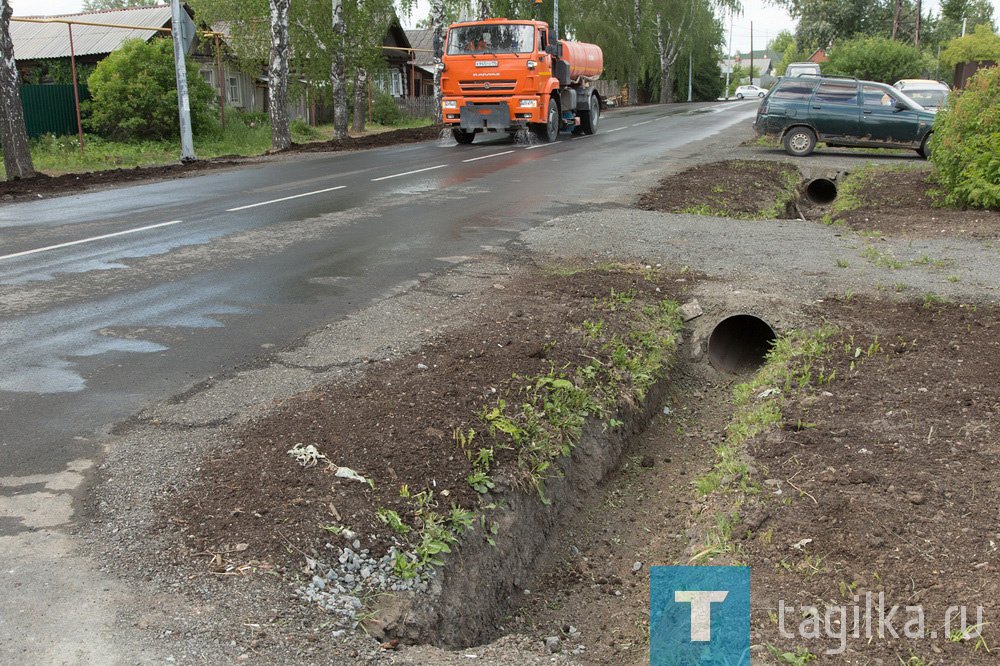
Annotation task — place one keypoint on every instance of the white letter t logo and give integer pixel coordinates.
(701, 611)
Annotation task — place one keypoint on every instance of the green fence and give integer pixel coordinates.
(50, 109)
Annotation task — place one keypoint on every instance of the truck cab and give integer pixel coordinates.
(505, 75)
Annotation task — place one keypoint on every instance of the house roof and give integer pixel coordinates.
(760, 63)
(423, 42)
(34, 41)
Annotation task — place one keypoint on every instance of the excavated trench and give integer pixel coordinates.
(469, 597)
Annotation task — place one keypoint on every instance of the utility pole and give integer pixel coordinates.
(751, 52)
(183, 104)
(730, 67)
(690, 66)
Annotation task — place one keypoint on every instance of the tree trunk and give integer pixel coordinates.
(633, 77)
(337, 72)
(13, 135)
(484, 10)
(437, 25)
(661, 50)
(360, 100)
(277, 77)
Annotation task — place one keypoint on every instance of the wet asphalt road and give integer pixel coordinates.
(115, 299)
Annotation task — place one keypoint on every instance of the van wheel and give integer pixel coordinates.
(925, 148)
(463, 136)
(799, 141)
(590, 118)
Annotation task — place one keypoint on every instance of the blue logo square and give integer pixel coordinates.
(699, 615)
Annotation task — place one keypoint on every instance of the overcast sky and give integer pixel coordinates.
(767, 20)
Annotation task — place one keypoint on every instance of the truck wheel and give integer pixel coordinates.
(799, 141)
(550, 130)
(590, 118)
(462, 136)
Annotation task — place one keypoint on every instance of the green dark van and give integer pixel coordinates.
(842, 111)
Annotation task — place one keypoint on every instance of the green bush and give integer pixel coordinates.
(965, 146)
(384, 109)
(876, 59)
(304, 131)
(134, 94)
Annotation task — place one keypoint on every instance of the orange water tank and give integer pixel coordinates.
(586, 61)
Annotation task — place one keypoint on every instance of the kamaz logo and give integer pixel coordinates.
(486, 85)
(486, 73)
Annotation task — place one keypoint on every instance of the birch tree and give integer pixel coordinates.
(338, 72)
(633, 81)
(670, 29)
(281, 134)
(438, 26)
(13, 135)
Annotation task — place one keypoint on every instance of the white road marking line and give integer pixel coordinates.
(88, 240)
(473, 159)
(294, 196)
(397, 175)
(645, 122)
(541, 145)
(617, 129)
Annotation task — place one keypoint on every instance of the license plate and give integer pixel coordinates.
(486, 63)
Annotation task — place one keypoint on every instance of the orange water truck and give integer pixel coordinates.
(500, 75)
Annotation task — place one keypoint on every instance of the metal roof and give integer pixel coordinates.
(33, 41)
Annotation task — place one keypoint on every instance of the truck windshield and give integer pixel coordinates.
(491, 38)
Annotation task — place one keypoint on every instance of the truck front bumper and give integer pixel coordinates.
(491, 114)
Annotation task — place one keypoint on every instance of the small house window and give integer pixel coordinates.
(207, 74)
(234, 90)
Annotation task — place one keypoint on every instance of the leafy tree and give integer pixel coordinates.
(782, 42)
(966, 143)
(980, 44)
(876, 59)
(972, 12)
(13, 135)
(134, 93)
(821, 22)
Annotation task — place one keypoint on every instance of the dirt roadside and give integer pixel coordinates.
(591, 595)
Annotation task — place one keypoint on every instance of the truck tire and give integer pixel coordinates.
(799, 141)
(590, 118)
(548, 132)
(461, 136)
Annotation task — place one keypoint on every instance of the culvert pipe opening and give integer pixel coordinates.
(740, 343)
(821, 191)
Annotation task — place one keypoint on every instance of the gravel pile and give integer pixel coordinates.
(356, 574)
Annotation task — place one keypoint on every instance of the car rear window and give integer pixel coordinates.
(836, 92)
(790, 89)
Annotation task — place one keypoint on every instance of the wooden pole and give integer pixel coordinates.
(76, 89)
(222, 96)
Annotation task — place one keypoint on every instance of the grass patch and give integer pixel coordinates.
(62, 154)
(791, 367)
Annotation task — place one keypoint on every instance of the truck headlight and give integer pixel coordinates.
(529, 103)
(531, 64)
(450, 104)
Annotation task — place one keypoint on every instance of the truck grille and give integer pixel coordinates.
(487, 86)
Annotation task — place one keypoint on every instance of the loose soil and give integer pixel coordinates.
(396, 426)
(44, 185)
(898, 202)
(753, 189)
(887, 469)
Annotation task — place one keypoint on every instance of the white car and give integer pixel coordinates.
(750, 91)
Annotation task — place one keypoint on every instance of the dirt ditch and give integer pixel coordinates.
(433, 483)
